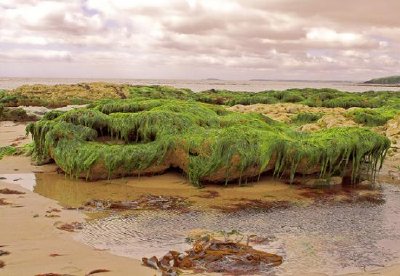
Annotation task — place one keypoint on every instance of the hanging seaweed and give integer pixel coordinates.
(208, 143)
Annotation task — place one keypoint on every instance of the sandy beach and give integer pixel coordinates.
(36, 246)
(29, 227)
(194, 137)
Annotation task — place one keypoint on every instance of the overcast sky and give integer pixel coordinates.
(194, 39)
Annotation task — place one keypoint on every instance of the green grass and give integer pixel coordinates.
(207, 142)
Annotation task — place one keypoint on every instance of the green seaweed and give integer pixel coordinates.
(6, 151)
(305, 118)
(15, 114)
(372, 117)
(207, 142)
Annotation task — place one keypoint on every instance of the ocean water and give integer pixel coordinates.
(200, 85)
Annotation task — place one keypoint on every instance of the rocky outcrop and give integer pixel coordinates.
(208, 143)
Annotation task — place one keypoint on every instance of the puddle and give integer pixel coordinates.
(331, 239)
(324, 237)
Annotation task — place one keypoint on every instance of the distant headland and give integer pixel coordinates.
(392, 80)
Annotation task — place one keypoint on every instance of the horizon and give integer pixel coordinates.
(178, 79)
(234, 40)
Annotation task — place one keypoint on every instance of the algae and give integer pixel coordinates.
(83, 93)
(373, 117)
(6, 151)
(306, 118)
(62, 94)
(207, 142)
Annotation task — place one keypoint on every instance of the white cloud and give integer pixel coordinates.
(331, 36)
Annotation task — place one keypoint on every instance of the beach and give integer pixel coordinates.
(29, 225)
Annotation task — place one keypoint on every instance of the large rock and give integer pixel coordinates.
(208, 143)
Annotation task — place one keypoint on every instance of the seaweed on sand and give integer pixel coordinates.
(373, 117)
(7, 150)
(15, 114)
(208, 143)
(306, 118)
(308, 96)
(227, 257)
(83, 93)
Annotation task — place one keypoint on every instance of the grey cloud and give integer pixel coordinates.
(290, 36)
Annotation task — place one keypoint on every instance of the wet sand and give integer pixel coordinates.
(31, 239)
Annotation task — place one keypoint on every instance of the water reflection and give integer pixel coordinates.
(329, 238)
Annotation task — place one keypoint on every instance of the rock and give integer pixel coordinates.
(310, 127)
(70, 107)
(393, 127)
(365, 183)
(335, 180)
(314, 182)
(335, 120)
(35, 110)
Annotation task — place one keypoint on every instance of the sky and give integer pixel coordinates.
(197, 39)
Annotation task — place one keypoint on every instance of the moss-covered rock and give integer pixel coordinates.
(63, 94)
(73, 94)
(207, 142)
(15, 114)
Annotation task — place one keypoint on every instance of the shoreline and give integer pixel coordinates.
(206, 84)
(31, 250)
(46, 249)
(37, 251)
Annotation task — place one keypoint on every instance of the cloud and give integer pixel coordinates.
(35, 55)
(234, 39)
(326, 35)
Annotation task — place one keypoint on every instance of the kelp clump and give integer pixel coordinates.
(216, 256)
(117, 138)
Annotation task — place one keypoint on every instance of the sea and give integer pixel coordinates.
(206, 84)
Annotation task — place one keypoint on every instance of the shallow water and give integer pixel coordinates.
(330, 238)
(201, 85)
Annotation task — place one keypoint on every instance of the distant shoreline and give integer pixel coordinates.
(254, 85)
